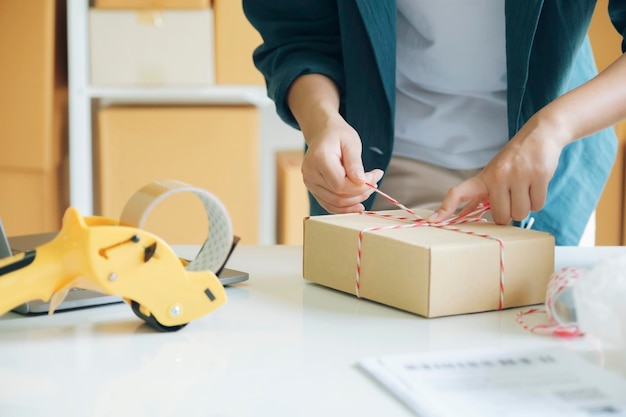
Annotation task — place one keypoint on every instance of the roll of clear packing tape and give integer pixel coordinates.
(215, 249)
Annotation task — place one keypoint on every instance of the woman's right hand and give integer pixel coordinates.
(332, 169)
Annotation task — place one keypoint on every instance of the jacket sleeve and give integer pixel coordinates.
(617, 12)
(299, 37)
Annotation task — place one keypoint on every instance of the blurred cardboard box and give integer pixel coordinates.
(152, 4)
(33, 115)
(610, 211)
(292, 201)
(211, 147)
(31, 200)
(151, 47)
(33, 85)
(428, 271)
(235, 40)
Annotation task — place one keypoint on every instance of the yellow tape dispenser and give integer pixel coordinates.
(111, 257)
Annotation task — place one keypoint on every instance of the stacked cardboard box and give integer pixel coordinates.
(151, 47)
(235, 40)
(151, 4)
(33, 115)
(292, 202)
(212, 147)
(171, 43)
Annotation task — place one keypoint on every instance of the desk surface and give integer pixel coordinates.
(281, 346)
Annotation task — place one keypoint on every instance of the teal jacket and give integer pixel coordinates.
(354, 43)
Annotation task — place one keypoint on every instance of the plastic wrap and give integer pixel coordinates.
(599, 297)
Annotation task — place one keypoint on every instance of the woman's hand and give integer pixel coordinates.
(515, 181)
(332, 169)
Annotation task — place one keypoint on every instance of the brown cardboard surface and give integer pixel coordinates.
(429, 271)
(30, 200)
(152, 4)
(151, 48)
(235, 40)
(33, 115)
(211, 147)
(292, 202)
(32, 55)
(610, 218)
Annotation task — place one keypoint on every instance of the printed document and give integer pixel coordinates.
(540, 383)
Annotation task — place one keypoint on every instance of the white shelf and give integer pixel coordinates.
(226, 94)
(274, 135)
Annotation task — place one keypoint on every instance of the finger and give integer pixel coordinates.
(538, 194)
(325, 169)
(471, 207)
(332, 178)
(520, 202)
(328, 198)
(468, 190)
(332, 208)
(352, 164)
(345, 191)
(373, 177)
(500, 202)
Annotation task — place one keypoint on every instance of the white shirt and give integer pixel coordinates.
(451, 81)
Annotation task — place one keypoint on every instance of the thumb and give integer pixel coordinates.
(353, 165)
(468, 190)
(373, 176)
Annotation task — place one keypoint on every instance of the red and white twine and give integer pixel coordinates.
(559, 282)
(417, 221)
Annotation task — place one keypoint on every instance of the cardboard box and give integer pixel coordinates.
(31, 201)
(212, 147)
(610, 218)
(235, 40)
(152, 4)
(33, 110)
(151, 48)
(426, 270)
(292, 201)
(33, 115)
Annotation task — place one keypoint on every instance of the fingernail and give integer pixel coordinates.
(433, 217)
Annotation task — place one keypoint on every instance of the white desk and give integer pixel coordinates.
(280, 347)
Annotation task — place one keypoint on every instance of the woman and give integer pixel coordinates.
(460, 101)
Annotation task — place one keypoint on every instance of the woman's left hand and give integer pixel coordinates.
(515, 181)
